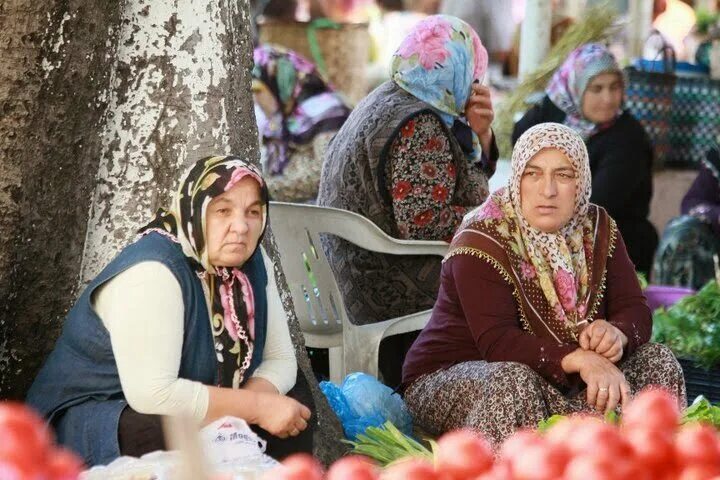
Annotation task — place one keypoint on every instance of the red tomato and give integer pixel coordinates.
(299, 466)
(353, 467)
(517, 444)
(411, 469)
(23, 432)
(63, 464)
(463, 454)
(19, 468)
(590, 467)
(565, 429)
(698, 472)
(655, 409)
(697, 444)
(542, 461)
(652, 448)
(603, 440)
(500, 471)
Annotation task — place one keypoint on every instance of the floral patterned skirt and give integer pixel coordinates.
(498, 398)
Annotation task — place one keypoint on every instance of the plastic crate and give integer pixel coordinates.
(699, 381)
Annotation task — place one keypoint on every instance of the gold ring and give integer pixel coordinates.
(603, 389)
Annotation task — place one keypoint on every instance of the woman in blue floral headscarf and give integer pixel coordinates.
(413, 157)
(586, 93)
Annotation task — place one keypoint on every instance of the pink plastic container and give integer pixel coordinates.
(665, 295)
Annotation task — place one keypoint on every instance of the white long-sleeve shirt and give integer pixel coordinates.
(143, 310)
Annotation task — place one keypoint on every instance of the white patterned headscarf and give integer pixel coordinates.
(559, 258)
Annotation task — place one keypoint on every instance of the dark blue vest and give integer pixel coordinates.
(78, 388)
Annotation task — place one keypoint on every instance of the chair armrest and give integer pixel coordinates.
(361, 231)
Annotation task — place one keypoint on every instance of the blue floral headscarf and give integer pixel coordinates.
(437, 63)
(568, 84)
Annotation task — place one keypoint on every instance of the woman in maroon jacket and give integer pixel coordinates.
(539, 310)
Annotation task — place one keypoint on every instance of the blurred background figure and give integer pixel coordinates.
(586, 93)
(685, 255)
(297, 114)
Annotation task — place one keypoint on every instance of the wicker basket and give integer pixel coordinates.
(700, 381)
(345, 50)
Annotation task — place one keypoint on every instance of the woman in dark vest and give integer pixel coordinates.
(586, 94)
(414, 156)
(184, 321)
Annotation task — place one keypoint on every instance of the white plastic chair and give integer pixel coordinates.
(318, 303)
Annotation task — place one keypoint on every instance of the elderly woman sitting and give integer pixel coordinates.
(539, 310)
(185, 321)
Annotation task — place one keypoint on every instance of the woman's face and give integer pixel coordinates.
(233, 224)
(548, 188)
(602, 97)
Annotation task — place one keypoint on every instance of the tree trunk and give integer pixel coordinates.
(52, 64)
(122, 104)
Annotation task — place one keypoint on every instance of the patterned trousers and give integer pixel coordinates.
(498, 398)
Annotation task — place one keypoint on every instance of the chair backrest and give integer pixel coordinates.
(318, 303)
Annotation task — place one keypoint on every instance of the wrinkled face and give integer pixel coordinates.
(602, 97)
(548, 189)
(233, 224)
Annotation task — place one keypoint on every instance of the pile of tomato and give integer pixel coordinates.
(27, 451)
(649, 444)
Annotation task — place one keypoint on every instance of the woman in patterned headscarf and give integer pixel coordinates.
(539, 310)
(586, 94)
(414, 157)
(184, 321)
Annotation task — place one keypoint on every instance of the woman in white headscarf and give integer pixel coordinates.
(539, 310)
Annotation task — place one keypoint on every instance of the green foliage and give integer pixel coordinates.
(704, 19)
(548, 423)
(386, 444)
(642, 279)
(702, 411)
(691, 327)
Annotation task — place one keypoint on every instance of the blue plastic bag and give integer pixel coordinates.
(362, 401)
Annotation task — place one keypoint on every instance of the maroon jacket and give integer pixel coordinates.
(475, 317)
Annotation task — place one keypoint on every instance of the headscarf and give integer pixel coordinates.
(307, 103)
(228, 291)
(559, 275)
(568, 84)
(437, 63)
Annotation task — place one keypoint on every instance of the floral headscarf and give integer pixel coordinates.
(437, 63)
(560, 275)
(568, 84)
(307, 103)
(228, 291)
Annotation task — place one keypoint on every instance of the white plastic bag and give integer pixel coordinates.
(231, 448)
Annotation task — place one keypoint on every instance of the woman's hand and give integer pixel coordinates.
(606, 384)
(281, 415)
(605, 339)
(479, 114)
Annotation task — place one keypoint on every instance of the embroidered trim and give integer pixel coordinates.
(162, 232)
(600, 296)
(501, 270)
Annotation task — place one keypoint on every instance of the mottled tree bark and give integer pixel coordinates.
(122, 104)
(52, 64)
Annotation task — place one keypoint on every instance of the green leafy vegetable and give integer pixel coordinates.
(691, 327)
(386, 444)
(547, 424)
(702, 411)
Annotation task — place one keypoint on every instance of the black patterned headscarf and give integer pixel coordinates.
(228, 291)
